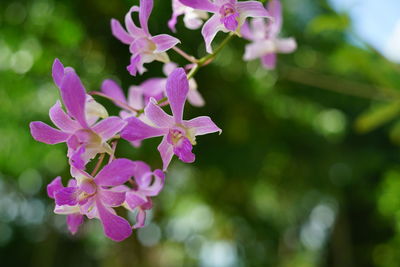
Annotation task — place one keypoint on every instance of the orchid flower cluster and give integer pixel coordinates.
(91, 135)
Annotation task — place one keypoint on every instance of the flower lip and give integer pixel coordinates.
(227, 9)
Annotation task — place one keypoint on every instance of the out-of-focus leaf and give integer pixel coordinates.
(377, 116)
(330, 22)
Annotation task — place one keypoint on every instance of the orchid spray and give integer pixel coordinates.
(92, 136)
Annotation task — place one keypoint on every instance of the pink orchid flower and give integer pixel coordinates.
(264, 36)
(144, 47)
(147, 184)
(229, 16)
(78, 127)
(95, 197)
(179, 135)
(193, 19)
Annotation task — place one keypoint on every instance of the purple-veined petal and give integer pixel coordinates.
(109, 127)
(133, 30)
(195, 98)
(74, 221)
(74, 97)
(54, 186)
(135, 199)
(120, 33)
(138, 130)
(275, 10)
(115, 227)
(202, 125)
(67, 196)
(57, 72)
(166, 151)
(210, 29)
(154, 87)
(231, 22)
(156, 185)
(158, 116)
(258, 49)
(113, 90)
(269, 61)
(251, 9)
(112, 198)
(61, 119)
(184, 151)
(177, 89)
(140, 219)
(145, 8)
(115, 173)
(164, 42)
(135, 97)
(76, 158)
(44, 133)
(286, 45)
(141, 168)
(200, 4)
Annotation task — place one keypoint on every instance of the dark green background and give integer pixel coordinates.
(305, 173)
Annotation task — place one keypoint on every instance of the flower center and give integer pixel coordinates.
(227, 10)
(229, 16)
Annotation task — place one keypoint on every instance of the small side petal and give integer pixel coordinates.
(210, 29)
(115, 173)
(44, 133)
(74, 221)
(54, 186)
(251, 9)
(164, 42)
(286, 45)
(158, 116)
(120, 33)
(135, 199)
(66, 196)
(146, 6)
(115, 227)
(109, 127)
(138, 130)
(61, 119)
(140, 219)
(269, 61)
(112, 198)
(113, 90)
(166, 151)
(202, 125)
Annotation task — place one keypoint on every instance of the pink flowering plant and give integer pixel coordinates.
(91, 135)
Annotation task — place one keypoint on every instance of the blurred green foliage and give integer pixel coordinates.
(290, 182)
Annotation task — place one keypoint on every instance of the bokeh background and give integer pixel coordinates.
(306, 172)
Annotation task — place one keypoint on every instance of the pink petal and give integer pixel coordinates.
(184, 151)
(135, 199)
(112, 198)
(140, 219)
(166, 151)
(156, 185)
(158, 116)
(176, 12)
(133, 30)
(109, 127)
(113, 90)
(200, 4)
(195, 98)
(169, 67)
(76, 158)
(286, 45)
(251, 9)
(74, 221)
(210, 29)
(275, 9)
(74, 97)
(258, 49)
(246, 32)
(135, 97)
(67, 196)
(54, 186)
(120, 33)
(164, 42)
(88, 186)
(202, 125)
(115, 227)
(138, 130)
(146, 6)
(269, 61)
(154, 87)
(57, 72)
(141, 168)
(115, 173)
(61, 119)
(177, 90)
(44, 133)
